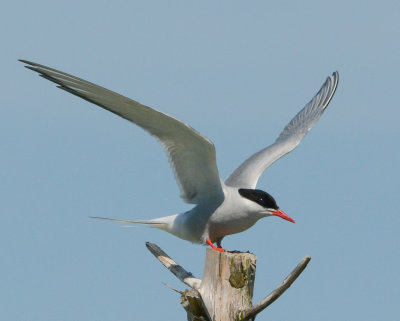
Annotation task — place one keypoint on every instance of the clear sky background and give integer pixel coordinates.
(237, 71)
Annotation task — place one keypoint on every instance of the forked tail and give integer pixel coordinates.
(153, 223)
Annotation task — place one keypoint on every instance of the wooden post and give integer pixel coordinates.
(228, 283)
(226, 291)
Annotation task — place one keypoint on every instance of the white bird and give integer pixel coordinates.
(221, 207)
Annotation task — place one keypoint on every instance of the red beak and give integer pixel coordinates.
(283, 215)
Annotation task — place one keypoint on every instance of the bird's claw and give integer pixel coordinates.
(218, 249)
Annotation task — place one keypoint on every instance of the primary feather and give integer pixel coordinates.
(249, 172)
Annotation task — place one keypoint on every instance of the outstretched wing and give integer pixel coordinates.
(191, 155)
(248, 173)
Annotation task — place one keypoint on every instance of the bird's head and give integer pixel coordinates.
(266, 201)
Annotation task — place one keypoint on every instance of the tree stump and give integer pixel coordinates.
(228, 283)
(226, 291)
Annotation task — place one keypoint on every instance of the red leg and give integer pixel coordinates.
(219, 249)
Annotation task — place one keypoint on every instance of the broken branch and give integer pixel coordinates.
(252, 312)
(177, 270)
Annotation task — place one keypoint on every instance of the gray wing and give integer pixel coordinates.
(248, 173)
(192, 156)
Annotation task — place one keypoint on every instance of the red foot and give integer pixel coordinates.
(219, 249)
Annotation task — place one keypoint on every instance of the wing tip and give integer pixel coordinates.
(27, 62)
(335, 76)
(331, 85)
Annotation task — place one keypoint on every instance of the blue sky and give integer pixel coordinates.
(237, 72)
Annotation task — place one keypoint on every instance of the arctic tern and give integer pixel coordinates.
(221, 207)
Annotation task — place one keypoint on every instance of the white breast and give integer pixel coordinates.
(236, 214)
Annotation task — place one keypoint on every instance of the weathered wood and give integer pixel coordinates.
(228, 283)
(183, 275)
(194, 306)
(226, 291)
